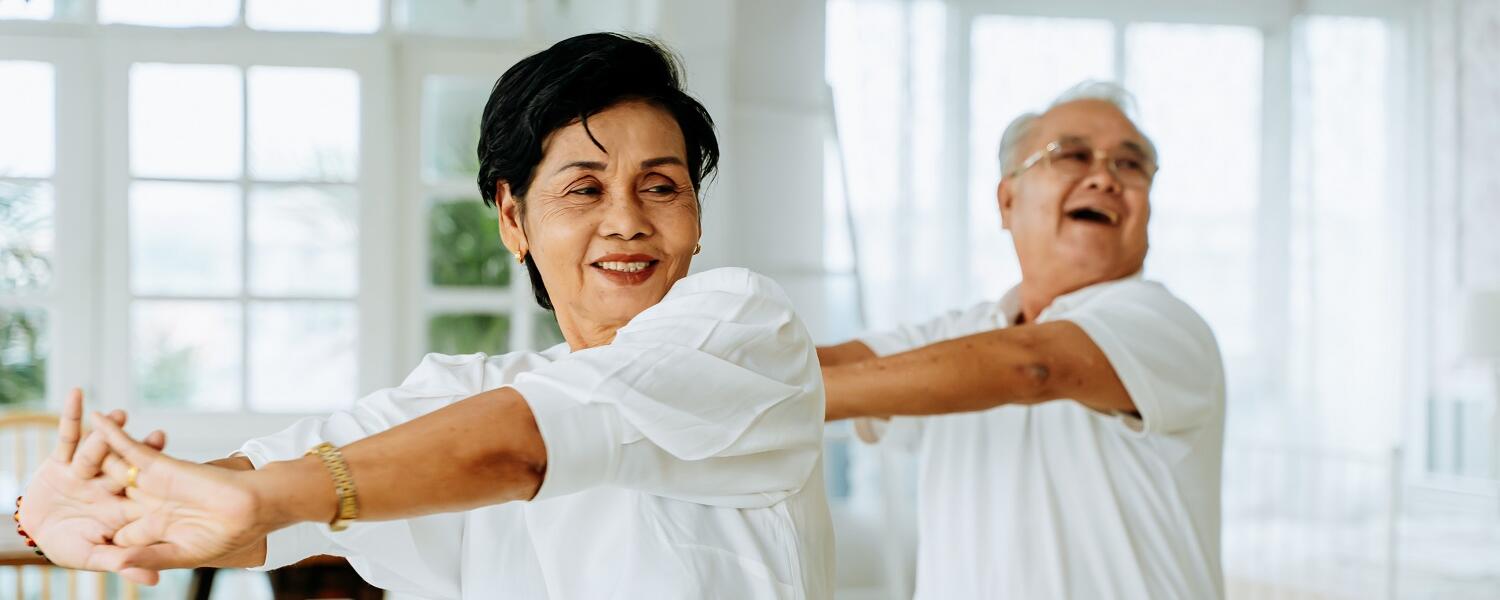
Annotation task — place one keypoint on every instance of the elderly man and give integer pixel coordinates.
(1069, 436)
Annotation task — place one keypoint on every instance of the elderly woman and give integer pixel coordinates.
(670, 449)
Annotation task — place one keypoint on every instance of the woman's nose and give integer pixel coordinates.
(625, 218)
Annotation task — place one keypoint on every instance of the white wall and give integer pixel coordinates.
(758, 67)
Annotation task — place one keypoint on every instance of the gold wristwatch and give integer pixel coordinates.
(343, 484)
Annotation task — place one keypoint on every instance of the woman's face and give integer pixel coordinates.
(612, 228)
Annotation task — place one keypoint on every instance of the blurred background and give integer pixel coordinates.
(223, 215)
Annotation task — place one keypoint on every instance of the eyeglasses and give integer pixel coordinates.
(1075, 159)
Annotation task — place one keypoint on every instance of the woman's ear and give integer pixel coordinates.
(512, 234)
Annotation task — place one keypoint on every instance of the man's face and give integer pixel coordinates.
(1077, 225)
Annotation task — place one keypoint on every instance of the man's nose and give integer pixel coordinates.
(1102, 177)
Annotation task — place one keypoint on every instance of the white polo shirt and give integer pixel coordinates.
(1056, 500)
(683, 462)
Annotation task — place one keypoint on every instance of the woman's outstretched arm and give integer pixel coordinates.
(190, 515)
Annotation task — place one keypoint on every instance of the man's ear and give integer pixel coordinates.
(512, 234)
(1005, 197)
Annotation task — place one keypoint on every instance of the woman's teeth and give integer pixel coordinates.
(624, 267)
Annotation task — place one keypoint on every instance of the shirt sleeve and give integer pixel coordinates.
(911, 336)
(385, 553)
(1162, 351)
(712, 396)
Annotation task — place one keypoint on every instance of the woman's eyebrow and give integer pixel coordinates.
(663, 160)
(583, 164)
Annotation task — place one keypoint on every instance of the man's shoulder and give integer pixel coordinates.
(1133, 294)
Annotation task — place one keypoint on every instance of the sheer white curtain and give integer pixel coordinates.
(1288, 243)
(1279, 214)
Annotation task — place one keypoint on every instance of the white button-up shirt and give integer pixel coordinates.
(683, 461)
(1059, 501)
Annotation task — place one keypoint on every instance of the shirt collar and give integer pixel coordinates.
(1009, 306)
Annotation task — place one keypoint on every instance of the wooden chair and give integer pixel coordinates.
(26, 439)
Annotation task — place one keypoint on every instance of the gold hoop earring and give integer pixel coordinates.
(697, 248)
(520, 258)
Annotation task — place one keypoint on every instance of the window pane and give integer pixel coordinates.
(294, 139)
(1190, 80)
(185, 238)
(344, 16)
(567, 19)
(170, 13)
(185, 121)
(546, 332)
(26, 119)
(23, 357)
(303, 356)
(25, 235)
(187, 354)
(26, 9)
(465, 245)
(304, 241)
(451, 107)
(1018, 66)
(468, 333)
(489, 19)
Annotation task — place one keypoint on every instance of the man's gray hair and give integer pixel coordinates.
(1020, 128)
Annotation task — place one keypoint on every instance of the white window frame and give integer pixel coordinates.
(122, 46)
(480, 61)
(68, 302)
(88, 304)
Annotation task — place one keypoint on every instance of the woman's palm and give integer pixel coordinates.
(69, 517)
(200, 513)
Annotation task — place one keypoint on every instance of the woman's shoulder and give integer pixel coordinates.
(734, 281)
(478, 371)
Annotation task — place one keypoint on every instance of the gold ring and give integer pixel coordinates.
(130, 476)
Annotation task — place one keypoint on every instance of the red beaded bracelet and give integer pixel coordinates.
(29, 542)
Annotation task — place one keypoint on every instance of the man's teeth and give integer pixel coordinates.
(624, 267)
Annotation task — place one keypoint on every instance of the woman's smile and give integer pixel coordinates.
(626, 269)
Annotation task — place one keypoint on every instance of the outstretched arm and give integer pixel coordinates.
(193, 515)
(1026, 364)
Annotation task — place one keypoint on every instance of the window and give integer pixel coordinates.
(478, 299)
(33, 10)
(336, 16)
(244, 236)
(27, 164)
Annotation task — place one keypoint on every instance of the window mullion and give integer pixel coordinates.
(1273, 266)
(244, 296)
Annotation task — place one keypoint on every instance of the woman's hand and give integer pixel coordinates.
(70, 510)
(186, 514)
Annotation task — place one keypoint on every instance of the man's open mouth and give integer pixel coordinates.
(1102, 216)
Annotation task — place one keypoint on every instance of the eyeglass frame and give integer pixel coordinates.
(1109, 162)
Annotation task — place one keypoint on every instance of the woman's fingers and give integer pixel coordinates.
(69, 427)
(156, 439)
(157, 557)
(145, 531)
(144, 577)
(90, 454)
(122, 446)
(115, 559)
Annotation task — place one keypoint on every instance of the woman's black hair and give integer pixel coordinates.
(569, 82)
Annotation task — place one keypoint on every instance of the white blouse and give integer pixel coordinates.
(684, 460)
